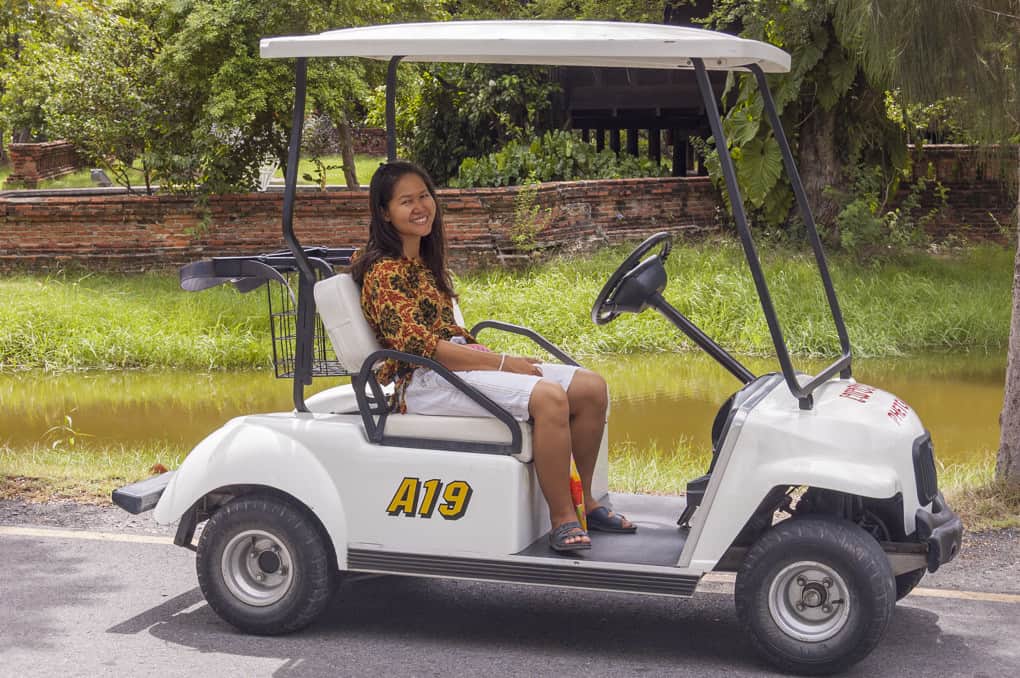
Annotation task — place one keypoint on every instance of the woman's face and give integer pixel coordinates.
(412, 209)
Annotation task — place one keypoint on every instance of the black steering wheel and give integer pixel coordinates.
(603, 311)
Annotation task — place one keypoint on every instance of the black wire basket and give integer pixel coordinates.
(283, 328)
(278, 271)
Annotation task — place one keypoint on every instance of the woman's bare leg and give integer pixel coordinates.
(551, 442)
(588, 400)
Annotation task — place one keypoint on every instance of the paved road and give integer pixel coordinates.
(73, 605)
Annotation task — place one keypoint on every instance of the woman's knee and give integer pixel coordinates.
(588, 389)
(549, 401)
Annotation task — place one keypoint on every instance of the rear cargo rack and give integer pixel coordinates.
(297, 354)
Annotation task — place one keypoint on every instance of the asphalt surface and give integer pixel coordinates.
(73, 603)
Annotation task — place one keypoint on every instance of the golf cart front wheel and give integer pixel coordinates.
(264, 567)
(815, 595)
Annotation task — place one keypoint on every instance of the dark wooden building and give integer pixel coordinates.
(619, 107)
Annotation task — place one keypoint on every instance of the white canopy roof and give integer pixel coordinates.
(553, 43)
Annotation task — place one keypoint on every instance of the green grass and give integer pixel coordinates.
(79, 179)
(912, 304)
(915, 304)
(82, 472)
(364, 167)
(86, 321)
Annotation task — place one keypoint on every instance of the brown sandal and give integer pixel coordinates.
(559, 536)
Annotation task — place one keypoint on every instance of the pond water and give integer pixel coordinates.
(657, 399)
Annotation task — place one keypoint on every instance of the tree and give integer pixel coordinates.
(968, 49)
(834, 114)
(110, 119)
(33, 35)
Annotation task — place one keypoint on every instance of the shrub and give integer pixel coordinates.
(555, 156)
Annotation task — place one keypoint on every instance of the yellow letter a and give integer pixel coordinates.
(405, 500)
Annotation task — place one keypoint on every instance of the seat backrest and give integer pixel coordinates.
(338, 301)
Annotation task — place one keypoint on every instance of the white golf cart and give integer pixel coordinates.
(821, 494)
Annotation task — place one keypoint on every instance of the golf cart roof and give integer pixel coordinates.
(552, 43)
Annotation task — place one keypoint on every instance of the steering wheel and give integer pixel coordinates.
(603, 311)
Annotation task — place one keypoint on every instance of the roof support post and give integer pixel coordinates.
(805, 213)
(740, 217)
(305, 319)
(391, 109)
(293, 157)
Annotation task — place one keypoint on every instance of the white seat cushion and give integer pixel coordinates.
(338, 300)
(474, 429)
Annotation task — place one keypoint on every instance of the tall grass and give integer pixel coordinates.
(911, 304)
(95, 321)
(85, 472)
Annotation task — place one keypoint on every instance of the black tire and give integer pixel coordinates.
(264, 566)
(906, 582)
(815, 595)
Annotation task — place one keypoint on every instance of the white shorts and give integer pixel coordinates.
(429, 393)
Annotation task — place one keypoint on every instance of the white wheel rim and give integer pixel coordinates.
(257, 568)
(809, 601)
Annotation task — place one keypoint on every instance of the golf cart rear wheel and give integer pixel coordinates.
(264, 567)
(815, 594)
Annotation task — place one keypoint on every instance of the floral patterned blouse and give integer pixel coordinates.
(408, 312)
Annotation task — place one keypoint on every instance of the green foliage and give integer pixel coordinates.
(866, 224)
(529, 217)
(448, 112)
(34, 34)
(893, 306)
(555, 156)
(318, 140)
(825, 105)
(108, 118)
(178, 86)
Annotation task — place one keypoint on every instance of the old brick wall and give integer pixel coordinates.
(123, 232)
(370, 140)
(981, 184)
(31, 163)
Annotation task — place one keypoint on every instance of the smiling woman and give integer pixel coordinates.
(407, 299)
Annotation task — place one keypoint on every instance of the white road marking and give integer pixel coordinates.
(717, 582)
(968, 595)
(82, 534)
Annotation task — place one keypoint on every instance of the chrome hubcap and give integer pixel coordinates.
(809, 601)
(257, 568)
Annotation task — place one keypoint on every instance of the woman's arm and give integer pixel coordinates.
(457, 357)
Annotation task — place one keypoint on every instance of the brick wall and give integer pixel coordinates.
(981, 182)
(122, 232)
(370, 140)
(31, 163)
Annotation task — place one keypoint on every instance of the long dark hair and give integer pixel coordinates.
(383, 239)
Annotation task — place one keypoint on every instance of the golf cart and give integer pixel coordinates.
(821, 494)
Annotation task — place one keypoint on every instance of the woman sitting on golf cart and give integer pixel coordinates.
(407, 298)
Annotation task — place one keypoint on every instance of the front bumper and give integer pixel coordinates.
(941, 529)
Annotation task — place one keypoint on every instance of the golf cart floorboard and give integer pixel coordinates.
(657, 543)
(658, 540)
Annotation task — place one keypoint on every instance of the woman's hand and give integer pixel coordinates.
(522, 365)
